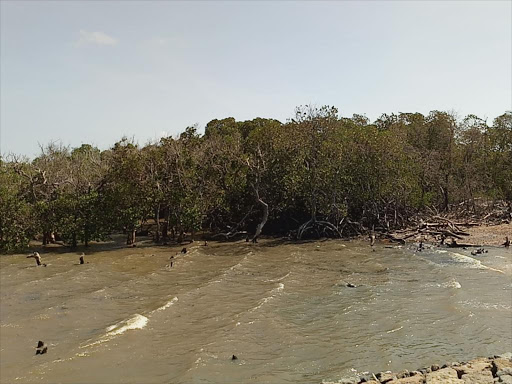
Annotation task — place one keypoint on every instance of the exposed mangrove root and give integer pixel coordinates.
(320, 227)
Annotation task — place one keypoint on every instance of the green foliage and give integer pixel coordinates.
(316, 166)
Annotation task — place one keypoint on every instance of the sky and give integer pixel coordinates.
(94, 71)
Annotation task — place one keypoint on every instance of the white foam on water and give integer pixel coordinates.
(166, 305)
(135, 322)
(472, 263)
(279, 278)
(479, 304)
(394, 330)
(273, 293)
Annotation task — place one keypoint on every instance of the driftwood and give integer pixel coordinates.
(436, 226)
(393, 238)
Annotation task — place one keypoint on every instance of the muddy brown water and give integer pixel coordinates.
(283, 309)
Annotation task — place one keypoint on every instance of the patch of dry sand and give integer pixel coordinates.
(488, 234)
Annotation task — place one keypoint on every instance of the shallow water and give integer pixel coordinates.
(283, 309)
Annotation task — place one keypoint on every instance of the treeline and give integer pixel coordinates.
(318, 174)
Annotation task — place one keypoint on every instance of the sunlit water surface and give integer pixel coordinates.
(283, 309)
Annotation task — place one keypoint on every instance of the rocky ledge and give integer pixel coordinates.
(496, 369)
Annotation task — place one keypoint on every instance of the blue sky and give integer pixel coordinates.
(91, 72)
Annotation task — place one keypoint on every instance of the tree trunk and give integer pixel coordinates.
(157, 221)
(130, 239)
(264, 219)
(165, 226)
(86, 236)
(74, 242)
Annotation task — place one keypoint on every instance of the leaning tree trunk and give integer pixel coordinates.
(264, 219)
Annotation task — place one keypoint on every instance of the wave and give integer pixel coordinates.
(265, 300)
(165, 306)
(279, 278)
(449, 284)
(482, 305)
(469, 262)
(135, 322)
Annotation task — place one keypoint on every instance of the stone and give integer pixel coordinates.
(483, 377)
(478, 365)
(384, 377)
(506, 379)
(504, 372)
(346, 381)
(501, 366)
(434, 368)
(402, 374)
(367, 377)
(444, 376)
(418, 379)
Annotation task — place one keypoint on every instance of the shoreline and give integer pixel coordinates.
(478, 235)
(483, 370)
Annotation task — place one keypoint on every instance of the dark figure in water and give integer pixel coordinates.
(234, 357)
(172, 260)
(82, 258)
(41, 349)
(205, 243)
(36, 256)
(184, 250)
(479, 251)
(420, 246)
(506, 244)
(372, 241)
(453, 244)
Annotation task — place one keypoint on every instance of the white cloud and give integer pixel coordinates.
(99, 38)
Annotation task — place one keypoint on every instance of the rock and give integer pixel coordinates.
(403, 374)
(483, 377)
(434, 367)
(501, 366)
(367, 377)
(507, 355)
(444, 376)
(40, 344)
(345, 381)
(505, 372)
(474, 366)
(417, 379)
(507, 379)
(384, 377)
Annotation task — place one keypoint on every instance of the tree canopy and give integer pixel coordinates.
(259, 176)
